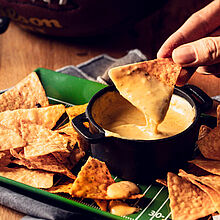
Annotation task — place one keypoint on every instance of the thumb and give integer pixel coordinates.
(205, 51)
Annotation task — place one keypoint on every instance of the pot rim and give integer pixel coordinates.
(186, 96)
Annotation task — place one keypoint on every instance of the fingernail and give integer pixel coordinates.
(184, 55)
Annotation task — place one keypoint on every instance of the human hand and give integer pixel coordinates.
(196, 43)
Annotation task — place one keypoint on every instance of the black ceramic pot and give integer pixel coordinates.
(144, 160)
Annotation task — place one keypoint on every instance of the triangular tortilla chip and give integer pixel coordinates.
(47, 162)
(203, 131)
(75, 110)
(213, 181)
(214, 196)
(73, 136)
(209, 145)
(28, 93)
(62, 188)
(35, 178)
(209, 184)
(67, 129)
(187, 200)
(212, 166)
(10, 138)
(92, 180)
(147, 85)
(41, 141)
(47, 116)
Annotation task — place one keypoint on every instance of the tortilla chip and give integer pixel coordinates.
(67, 129)
(209, 184)
(209, 145)
(155, 78)
(213, 181)
(75, 110)
(35, 178)
(41, 141)
(47, 162)
(10, 138)
(47, 116)
(76, 155)
(102, 204)
(17, 152)
(73, 137)
(212, 166)
(28, 93)
(203, 131)
(187, 199)
(5, 158)
(92, 180)
(162, 181)
(215, 196)
(63, 188)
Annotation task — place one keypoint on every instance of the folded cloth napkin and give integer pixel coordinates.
(96, 70)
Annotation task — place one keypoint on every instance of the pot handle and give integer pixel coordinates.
(199, 97)
(78, 125)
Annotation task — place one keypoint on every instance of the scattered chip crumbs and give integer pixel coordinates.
(187, 201)
(92, 180)
(28, 93)
(35, 178)
(209, 145)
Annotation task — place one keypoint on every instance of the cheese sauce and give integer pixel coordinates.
(120, 118)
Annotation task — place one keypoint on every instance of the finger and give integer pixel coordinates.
(197, 26)
(185, 75)
(202, 52)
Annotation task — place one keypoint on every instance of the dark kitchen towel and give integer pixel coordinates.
(36, 209)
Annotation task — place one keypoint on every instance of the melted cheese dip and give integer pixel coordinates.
(120, 118)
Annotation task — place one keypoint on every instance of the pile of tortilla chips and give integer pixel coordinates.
(92, 182)
(31, 151)
(195, 193)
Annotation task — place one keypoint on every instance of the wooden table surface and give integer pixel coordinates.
(21, 52)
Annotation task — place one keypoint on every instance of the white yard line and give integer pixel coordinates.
(160, 208)
(168, 216)
(115, 178)
(149, 203)
(143, 193)
(57, 100)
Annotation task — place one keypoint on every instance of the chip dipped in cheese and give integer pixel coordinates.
(147, 85)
